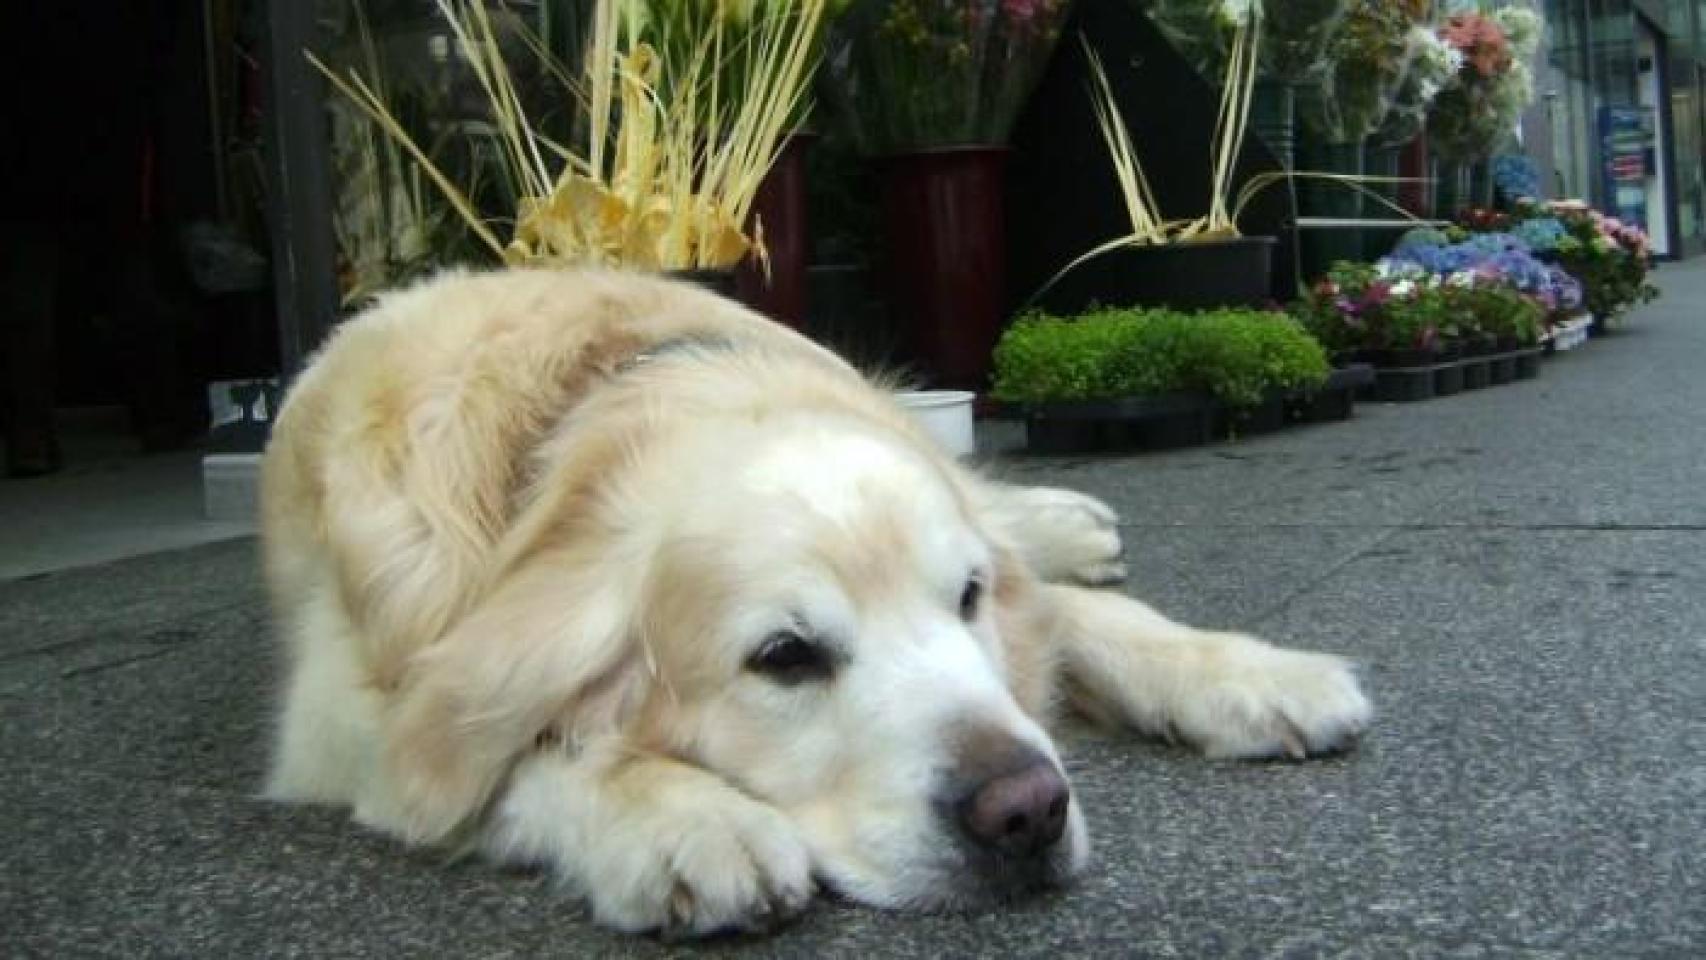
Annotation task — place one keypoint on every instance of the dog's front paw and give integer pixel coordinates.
(1258, 700)
(733, 865)
(1069, 537)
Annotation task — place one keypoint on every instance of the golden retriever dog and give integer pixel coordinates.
(605, 573)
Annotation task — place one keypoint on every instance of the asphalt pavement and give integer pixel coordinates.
(1521, 571)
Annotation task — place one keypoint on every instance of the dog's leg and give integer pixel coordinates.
(652, 843)
(1228, 694)
(1063, 536)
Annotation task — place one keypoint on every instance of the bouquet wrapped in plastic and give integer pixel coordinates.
(1369, 60)
(1295, 36)
(1432, 64)
(1481, 104)
(915, 74)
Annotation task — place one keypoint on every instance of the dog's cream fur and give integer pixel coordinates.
(525, 531)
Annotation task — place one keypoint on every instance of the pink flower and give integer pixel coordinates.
(1021, 9)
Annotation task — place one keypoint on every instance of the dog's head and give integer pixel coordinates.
(824, 618)
(805, 605)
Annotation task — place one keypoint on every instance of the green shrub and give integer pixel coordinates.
(1236, 355)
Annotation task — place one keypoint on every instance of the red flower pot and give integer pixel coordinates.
(780, 206)
(945, 237)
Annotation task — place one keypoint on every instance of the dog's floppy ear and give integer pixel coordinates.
(548, 642)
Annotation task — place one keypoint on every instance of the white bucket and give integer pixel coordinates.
(946, 416)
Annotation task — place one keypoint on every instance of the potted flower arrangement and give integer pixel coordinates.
(1479, 107)
(931, 90)
(1433, 63)
(1610, 260)
(1431, 326)
(1370, 58)
(1133, 377)
(1509, 257)
(666, 173)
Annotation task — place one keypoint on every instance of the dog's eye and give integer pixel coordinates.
(971, 598)
(789, 658)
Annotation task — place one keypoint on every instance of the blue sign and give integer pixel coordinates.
(1625, 135)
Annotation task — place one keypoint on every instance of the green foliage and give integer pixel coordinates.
(1238, 355)
(1500, 311)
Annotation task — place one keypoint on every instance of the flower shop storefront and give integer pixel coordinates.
(1622, 116)
(1128, 222)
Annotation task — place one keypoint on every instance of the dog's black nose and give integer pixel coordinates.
(1019, 814)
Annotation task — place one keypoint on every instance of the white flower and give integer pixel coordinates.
(1403, 288)
(1522, 26)
(1240, 11)
(1462, 278)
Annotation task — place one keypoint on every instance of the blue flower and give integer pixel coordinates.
(1421, 237)
(1541, 234)
(1516, 176)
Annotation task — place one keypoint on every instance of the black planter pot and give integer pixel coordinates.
(1237, 272)
(1380, 162)
(1267, 417)
(1330, 199)
(1479, 346)
(1502, 368)
(1528, 363)
(1273, 119)
(1448, 379)
(1333, 400)
(1402, 384)
(1476, 372)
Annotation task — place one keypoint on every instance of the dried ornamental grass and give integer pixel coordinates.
(664, 181)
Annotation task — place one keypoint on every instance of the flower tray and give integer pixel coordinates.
(1333, 400)
(1185, 419)
(1477, 372)
(1527, 363)
(1231, 423)
(1502, 368)
(1404, 384)
(1448, 379)
(1133, 423)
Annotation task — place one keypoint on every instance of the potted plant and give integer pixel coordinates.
(1133, 377)
(931, 89)
(1406, 327)
(1183, 264)
(1481, 104)
(1609, 258)
(774, 284)
(666, 173)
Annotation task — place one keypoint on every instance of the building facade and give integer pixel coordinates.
(1620, 116)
